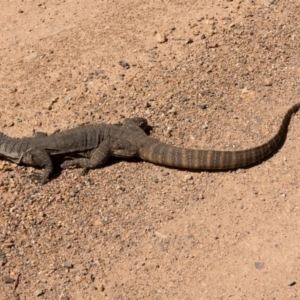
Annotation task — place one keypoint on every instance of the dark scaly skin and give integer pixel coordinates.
(90, 146)
(167, 155)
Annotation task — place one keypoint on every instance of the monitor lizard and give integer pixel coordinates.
(89, 146)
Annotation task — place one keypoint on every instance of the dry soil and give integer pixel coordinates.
(206, 74)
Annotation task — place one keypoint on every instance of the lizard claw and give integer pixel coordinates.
(84, 171)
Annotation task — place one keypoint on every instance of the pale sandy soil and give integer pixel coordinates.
(133, 230)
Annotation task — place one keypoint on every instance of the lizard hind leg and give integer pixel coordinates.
(98, 157)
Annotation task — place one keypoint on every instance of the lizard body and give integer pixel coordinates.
(89, 146)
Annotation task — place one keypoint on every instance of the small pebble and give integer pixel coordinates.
(258, 265)
(124, 64)
(291, 282)
(155, 179)
(161, 38)
(39, 292)
(16, 296)
(68, 265)
(267, 82)
(189, 41)
(187, 177)
(7, 279)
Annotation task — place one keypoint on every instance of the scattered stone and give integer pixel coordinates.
(68, 265)
(16, 296)
(258, 265)
(39, 292)
(31, 56)
(205, 126)
(3, 259)
(42, 214)
(267, 82)
(124, 64)
(8, 280)
(210, 22)
(147, 104)
(187, 177)
(161, 38)
(189, 41)
(196, 32)
(155, 179)
(203, 106)
(214, 45)
(160, 235)
(199, 19)
(291, 282)
(246, 94)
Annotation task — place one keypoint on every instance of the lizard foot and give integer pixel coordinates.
(84, 171)
(68, 164)
(38, 178)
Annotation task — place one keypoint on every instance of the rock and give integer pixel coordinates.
(204, 126)
(155, 179)
(258, 265)
(246, 94)
(291, 282)
(31, 56)
(39, 292)
(68, 265)
(124, 64)
(161, 38)
(3, 259)
(187, 177)
(267, 82)
(16, 296)
(189, 41)
(7, 279)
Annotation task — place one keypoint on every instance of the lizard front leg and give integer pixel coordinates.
(39, 158)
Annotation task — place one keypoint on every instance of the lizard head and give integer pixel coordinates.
(136, 123)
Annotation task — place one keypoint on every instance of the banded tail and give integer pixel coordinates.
(160, 153)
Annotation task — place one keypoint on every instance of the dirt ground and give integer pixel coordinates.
(206, 74)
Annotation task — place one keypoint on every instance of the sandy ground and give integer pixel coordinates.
(206, 74)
